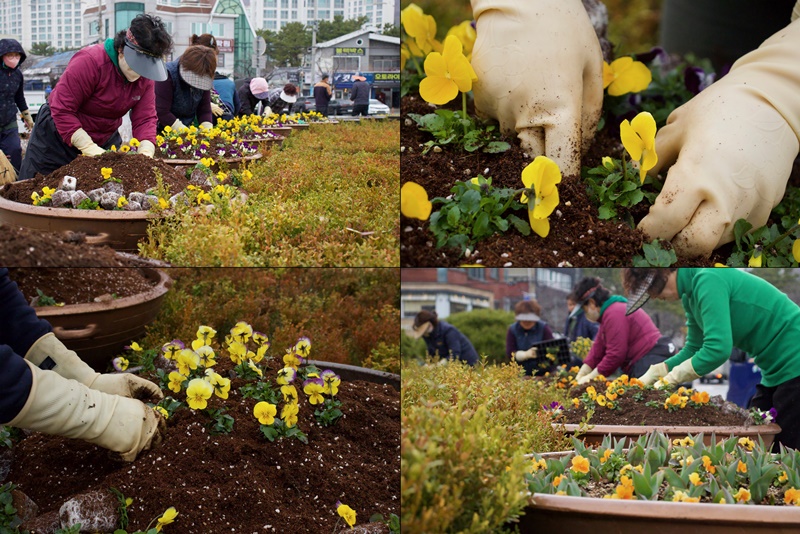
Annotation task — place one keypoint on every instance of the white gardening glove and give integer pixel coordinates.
(267, 111)
(63, 407)
(540, 74)
(147, 148)
(522, 355)
(206, 125)
(583, 371)
(178, 125)
(588, 378)
(48, 352)
(216, 110)
(679, 374)
(733, 146)
(655, 372)
(83, 142)
(26, 117)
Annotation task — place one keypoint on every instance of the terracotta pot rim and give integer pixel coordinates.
(381, 376)
(74, 213)
(684, 511)
(251, 157)
(163, 282)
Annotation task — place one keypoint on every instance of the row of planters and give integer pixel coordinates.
(466, 189)
(484, 449)
(115, 198)
(233, 428)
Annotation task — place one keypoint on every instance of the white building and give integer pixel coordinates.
(56, 22)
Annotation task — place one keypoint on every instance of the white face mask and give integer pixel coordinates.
(592, 313)
(129, 73)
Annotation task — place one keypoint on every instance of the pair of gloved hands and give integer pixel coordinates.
(72, 400)
(731, 148)
(657, 373)
(83, 142)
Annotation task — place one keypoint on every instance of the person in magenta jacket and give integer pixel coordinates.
(628, 342)
(100, 85)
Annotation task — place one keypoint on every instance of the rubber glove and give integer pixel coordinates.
(591, 376)
(540, 74)
(67, 408)
(733, 146)
(147, 148)
(178, 125)
(679, 374)
(48, 352)
(583, 371)
(655, 372)
(522, 355)
(8, 173)
(26, 117)
(216, 110)
(206, 125)
(83, 142)
(267, 111)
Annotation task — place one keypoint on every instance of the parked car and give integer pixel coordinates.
(376, 107)
(335, 107)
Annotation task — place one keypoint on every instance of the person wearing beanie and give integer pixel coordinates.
(322, 95)
(12, 98)
(185, 96)
(360, 94)
(100, 85)
(521, 336)
(442, 339)
(250, 94)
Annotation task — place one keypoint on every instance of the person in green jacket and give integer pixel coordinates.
(727, 308)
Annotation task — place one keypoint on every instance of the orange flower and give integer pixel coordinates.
(792, 496)
(700, 397)
(580, 464)
(741, 467)
(610, 395)
(742, 495)
(624, 490)
(606, 455)
(695, 479)
(557, 481)
(708, 465)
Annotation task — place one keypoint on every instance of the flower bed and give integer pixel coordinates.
(244, 450)
(626, 407)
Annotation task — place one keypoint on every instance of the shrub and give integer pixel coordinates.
(384, 358)
(486, 329)
(411, 348)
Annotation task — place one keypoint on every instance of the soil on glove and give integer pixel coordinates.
(137, 173)
(636, 412)
(237, 482)
(577, 236)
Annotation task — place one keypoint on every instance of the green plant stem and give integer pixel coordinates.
(624, 167)
(464, 104)
(417, 65)
(781, 237)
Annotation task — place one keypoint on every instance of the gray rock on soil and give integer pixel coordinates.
(69, 183)
(47, 523)
(96, 194)
(136, 197)
(78, 197)
(96, 511)
(26, 508)
(180, 197)
(150, 201)
(61, 198)
(113, 187)
(109, 200)
(132, 206)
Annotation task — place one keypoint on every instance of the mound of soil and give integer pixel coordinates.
(237, 482)
(23, 247)
(577, 236)
(636, 412)
(137, 172)
(80, 286)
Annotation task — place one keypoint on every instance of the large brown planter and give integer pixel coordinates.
(298, 126)
(98, 331)
(120, 230)
(594, 436)
(285, 131)
(563, 514)
(232, 163)
(352, 372)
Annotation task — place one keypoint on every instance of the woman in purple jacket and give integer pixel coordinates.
(100, 85)
(631, 343)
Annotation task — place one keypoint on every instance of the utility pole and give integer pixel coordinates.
(314, 25)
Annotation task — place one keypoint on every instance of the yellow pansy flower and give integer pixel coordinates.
(414, 201)
(624, 75)
(638, 138)
(542, 175)
(446, 73)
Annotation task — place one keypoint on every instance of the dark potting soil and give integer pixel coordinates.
(137, 173)
(577, 236)
(636, 412)
(237, 482)
(24, 247)
(80, 285)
